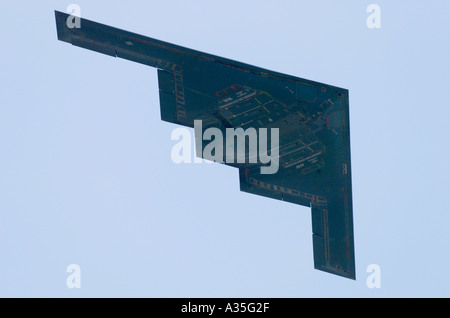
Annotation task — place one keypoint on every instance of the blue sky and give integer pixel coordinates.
(86, 175)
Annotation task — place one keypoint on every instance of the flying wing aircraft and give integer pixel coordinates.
(312, 118)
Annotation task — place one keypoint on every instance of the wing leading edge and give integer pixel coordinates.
(312, 117)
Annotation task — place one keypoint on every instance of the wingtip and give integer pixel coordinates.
(61, 27)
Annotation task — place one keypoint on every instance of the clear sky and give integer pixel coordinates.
(86, 175)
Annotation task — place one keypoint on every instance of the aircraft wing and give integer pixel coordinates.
(312, 118)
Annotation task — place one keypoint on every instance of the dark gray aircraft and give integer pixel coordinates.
(312, 119)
